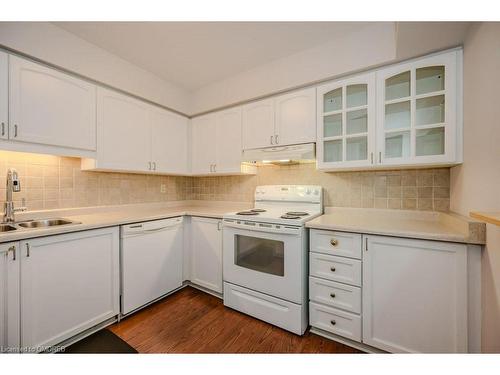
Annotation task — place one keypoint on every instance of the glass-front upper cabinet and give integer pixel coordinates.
(417, 106)
(346, 123)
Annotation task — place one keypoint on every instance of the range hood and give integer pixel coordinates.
(281, 155)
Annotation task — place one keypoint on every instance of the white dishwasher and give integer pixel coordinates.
(151, 261)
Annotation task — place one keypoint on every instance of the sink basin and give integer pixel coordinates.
(6, 228)
(45, 223)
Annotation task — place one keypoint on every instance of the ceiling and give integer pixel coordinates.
(195, 54)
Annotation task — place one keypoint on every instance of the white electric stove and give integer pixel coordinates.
(265, 255)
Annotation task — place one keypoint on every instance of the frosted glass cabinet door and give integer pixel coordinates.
(418, 104)
(346, 123)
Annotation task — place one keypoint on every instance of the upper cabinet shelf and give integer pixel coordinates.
(404, 115)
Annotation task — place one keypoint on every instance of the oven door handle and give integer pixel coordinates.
(263, 228)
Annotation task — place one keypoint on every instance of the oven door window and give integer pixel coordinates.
(260, 254)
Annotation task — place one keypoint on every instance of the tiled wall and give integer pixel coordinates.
(49, 182)
(423, 189)
(56, 182)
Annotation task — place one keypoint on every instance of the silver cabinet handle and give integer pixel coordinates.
(211, 167)
(149, 165)
(276, 139)
(332, 269)
(380, 156)
(13, 249)
(27, 250)
(15, 130)
(154, 165)
(215, 167)
(372, 157)
(219, 225)
(272, 140)
(3, 129)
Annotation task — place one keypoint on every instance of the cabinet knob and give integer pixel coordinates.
(332, 295)
(333, 322)
(334, 242)
(332, 269)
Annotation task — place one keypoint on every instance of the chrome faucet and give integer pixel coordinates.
(13, 186)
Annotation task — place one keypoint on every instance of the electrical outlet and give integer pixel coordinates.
(163, 188)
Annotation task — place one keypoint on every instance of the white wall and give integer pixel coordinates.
(50, 43)
(370, 46)
(475, 185)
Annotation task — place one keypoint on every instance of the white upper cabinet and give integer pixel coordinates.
(134, 136)
(346, 123)
(216, 144)
(258, 124)
(4, 95)
(204, 146)
(295, 116)
(419, 111)
(51, 108)
(279, 121)
(228, 133)
(9, 297)
(169, 142)
(124, 133)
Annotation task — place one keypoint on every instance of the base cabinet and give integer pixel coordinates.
(9, 297)
(415, 295)
(206, 253)
(69, 283)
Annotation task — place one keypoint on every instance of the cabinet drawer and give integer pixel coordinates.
(336, 243)
(340, 269)
(342, 296)
(335, 321)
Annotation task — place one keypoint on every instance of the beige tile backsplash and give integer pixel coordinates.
(57, 182)
(422, 189)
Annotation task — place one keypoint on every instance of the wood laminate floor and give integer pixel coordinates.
(191, 321)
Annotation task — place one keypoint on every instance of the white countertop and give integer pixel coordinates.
(402, 223)
(107, 216)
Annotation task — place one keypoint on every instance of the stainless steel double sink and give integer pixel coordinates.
(34, 224)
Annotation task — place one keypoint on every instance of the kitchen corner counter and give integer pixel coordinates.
(429, 225)
(108, 216)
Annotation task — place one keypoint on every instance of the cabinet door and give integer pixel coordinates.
(206, 247)
(4, 97)
(414, 295)
(228, 145)
(9, 297)
(124, 132)
(51, 108)
(258, 124)
(169, 140)
(417, 114)
(296, 117)
(346, 123)
(69, 283)
(204, 144)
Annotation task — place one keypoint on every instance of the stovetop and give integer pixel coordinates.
(283, 204)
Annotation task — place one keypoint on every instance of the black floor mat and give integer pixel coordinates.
(101, 342)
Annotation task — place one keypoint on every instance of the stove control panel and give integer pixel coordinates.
(289, 193)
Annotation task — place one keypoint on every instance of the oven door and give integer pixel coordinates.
(265, 259)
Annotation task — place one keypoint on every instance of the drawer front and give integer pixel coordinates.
(281, 313)
(335, 321)
(344, 270)
(341, 296)
(336, 243)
